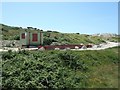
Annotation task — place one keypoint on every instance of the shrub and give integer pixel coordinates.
(69, 59)
(8, 55)
(59, 69)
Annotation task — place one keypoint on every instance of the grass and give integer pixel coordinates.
(12, 33)
(60, 69)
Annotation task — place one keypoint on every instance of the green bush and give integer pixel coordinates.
(59, 69)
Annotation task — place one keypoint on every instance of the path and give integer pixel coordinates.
(95, 47)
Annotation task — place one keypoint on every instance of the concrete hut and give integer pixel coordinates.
(31, 38)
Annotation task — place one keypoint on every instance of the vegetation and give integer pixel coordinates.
(12, 33)
(60, 69)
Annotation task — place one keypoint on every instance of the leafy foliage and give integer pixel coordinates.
(60, 69)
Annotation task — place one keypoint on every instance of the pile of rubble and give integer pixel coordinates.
(10, 43)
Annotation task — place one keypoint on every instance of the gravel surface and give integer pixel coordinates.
(95, 47)
(102, 46)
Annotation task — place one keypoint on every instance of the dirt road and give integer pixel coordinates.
(95, 47)
(103, 46)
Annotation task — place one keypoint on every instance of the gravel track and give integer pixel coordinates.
(95, 47)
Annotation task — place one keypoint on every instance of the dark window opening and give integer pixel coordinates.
(35, 37)
(23, 36)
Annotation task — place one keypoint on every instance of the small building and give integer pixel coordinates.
(31, 38)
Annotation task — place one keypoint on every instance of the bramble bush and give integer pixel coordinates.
(57, 69)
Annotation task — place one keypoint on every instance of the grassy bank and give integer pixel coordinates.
(60, 69)
(13, 33)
